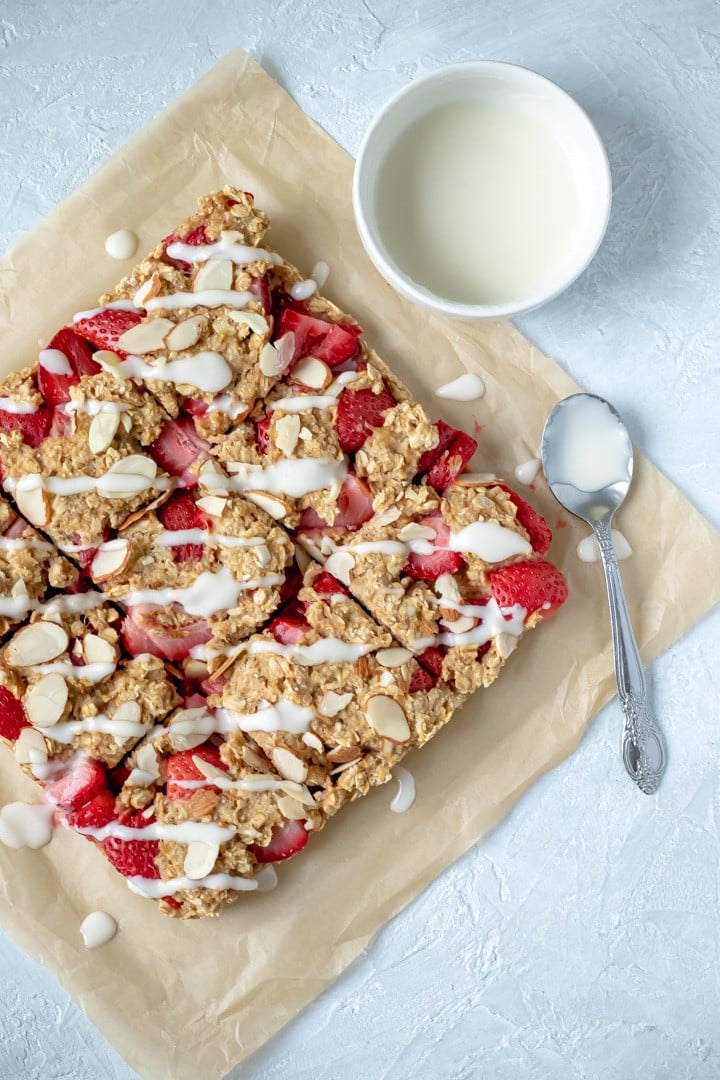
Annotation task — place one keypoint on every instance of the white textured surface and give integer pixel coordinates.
(581, 938)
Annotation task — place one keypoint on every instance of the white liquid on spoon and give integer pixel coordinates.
(594, 449)
(477, 201)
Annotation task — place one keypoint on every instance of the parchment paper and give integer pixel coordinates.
(183, 999)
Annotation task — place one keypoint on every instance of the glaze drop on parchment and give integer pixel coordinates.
(121, 244)
(526, 473)
(97, 929)
(588, 550)
(26, 825)
(468, 387)
(405, 794)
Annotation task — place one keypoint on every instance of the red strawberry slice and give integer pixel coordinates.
(142, 633)
(286, 841)
(99, 811)
(34, 427)
(82, 781)
(533, 523)
(12, 715)
(290, 628)
(535, 585)
(446, 434)
(430, 567)
(117, 777)
(262, 433)
(195, 406)
(195, 238)
(432, 659)
(107, 327)
(358, 412)
(61, 424)
(178, 447)
(292, 583)
(214, 684)
(56, 388)
(327, 341)
(182, 767)
(16, 529)
(260, 288)
(422, 680)
(182, 512)
(133, 858)
(326, 585)
(354, 505)
(446, 469)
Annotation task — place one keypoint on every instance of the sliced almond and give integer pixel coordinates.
(302, 559)
(346, 765)
(271, 362)
(252, 319)
(327, 545)
(212, 505)
(231, 236)
(143, 510)
(391, 658)
(110, 362)
(32, 501)
(207, 769)
(129, 711)
(200, 857)
(103, 429)
(111, 557)
(310, 739)
(38, 643)
(300, 793)
(253, 758)
(387, 718)
(447, 589)
(505, 645)
(470, 479)
(96, 650)
(285, 348)
(181, 733)
(146, 759)
(127, 477)
(213, 478)
(414, 531)
(333, 703)
(312, 372)
(214, 274)
(125, 422)
(291, 809)
(30, 747)
(46, 701)
(341, 754)
(386, 517)
(147, 290)
(274, 506)
(288, 764)
(287, 432)
(197, 670)
(145, 337)
(186, 333)
(461, 624)
(261, 554)
(340, 565)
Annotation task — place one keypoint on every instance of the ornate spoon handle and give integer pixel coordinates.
(643, 750)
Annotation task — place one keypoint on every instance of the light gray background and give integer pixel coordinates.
(581, 938)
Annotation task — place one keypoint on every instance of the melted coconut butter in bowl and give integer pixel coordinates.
(482, 190)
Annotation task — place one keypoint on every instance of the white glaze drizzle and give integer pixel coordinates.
(54, 361)
(114, 305)
(492, 621)
(290, 476)
(156, 888)
(206, 298)
(320, 273)
(467, 387)
(207, 371)
(17, 408)
(110, 484)
(210, 593)
(105, 725)
(239, 254)
(323, 651)
(174, 538)
(303, 290)
(186, 832)
(91, 673)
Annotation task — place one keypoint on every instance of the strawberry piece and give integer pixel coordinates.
(535, 585)
(326, 585)
(289, 628)
(107, 327)
(422, 680)
(452, 461)
(446, 434)
(56, 388)
(214, 684)
(260, 288)
(292, 583)
(117, 777)
(358, 412)
(61, 423)
(330, 342)
(354, 505)
(533, 523)
(178, 447)
(195, 406)
(440, 561)
(133, 858)
(432, 659)
(12, 715)
(82, 781)
(262, 433)
(182, 767)
(195, 238)
(171, 902)
(143, 633)
(99, 811)
(182, 512)
(286, 841)
(34, 427)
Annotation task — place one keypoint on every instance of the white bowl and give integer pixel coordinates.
(485, 80)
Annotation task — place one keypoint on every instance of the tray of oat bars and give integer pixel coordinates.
(242, 572)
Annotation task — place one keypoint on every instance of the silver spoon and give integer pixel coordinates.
(587, 458)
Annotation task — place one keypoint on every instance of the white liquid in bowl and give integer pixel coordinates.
(478, 202)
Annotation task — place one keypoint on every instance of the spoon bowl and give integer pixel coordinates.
(587, 458)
